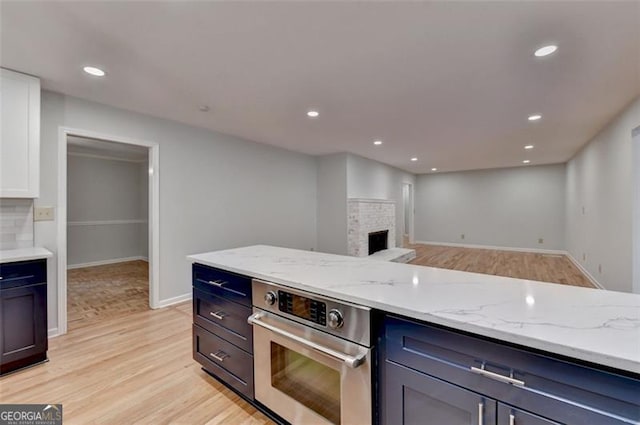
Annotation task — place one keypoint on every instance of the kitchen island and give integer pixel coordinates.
(598, 330)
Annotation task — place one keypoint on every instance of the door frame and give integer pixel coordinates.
(635, 244)
(412, 209)
(153, 215)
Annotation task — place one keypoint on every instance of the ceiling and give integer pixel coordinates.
(84, 145)
(451, 83)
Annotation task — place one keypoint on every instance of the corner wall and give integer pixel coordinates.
(600, 202)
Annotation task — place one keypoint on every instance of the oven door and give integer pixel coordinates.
(307, 376)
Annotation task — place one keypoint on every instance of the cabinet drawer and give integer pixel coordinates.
(228, 362)
(576, 393)
(225, 284)
(224, 318)
(22, 273)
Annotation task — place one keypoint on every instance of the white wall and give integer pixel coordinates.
(509, 207)
(636, 211)
(112, 192)
(370, 179)
(600, 181)
(216, 191)
(332, 204)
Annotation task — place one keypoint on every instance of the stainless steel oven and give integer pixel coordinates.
(312, 356)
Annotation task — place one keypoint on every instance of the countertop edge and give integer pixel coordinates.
(621, 364)
(24, 254)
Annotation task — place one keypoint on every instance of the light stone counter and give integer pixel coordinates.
(597, 326)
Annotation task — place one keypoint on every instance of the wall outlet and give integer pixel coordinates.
(600, 268)
(583, 211)
(540, 240)
(584, 257)
(43, 214)
(462, 236)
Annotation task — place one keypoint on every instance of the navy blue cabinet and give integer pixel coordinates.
(23, 314)
(413, 398)
(222, 338)
(528, 388)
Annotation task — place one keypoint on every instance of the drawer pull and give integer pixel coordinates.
(506, 379)
(480, 413)
(512, 420)
(219, 355)
(218, 315)
(218, 283)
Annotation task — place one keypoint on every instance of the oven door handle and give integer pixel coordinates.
(351, 361)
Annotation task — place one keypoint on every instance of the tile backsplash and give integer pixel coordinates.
(16, 223)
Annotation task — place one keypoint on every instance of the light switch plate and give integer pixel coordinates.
(43, 214)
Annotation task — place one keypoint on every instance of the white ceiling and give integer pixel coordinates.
(449, 82)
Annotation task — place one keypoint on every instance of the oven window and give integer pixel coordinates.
(310, 383)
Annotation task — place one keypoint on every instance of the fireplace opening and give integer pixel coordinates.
(378, 241)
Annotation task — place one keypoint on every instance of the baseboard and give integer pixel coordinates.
(175, 300)
(584, 271)
(497, 248)
(105, 262)
(53, 332)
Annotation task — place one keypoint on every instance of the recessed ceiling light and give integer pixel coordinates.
(526, 161)
(546, 50)
(414, 159)
(434, 169)
(313, 114)
(377, 142)
(535, 117)
(94, 71)
(529, 147)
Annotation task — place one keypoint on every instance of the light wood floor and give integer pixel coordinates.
(103, 292)
(523, 265)
(132, 369)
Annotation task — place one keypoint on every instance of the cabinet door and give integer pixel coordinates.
(19, 135)
(23, 326)
(412, 398)
(508, 415)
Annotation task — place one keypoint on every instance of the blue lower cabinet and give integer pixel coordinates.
(412, 398)
(509, 415)
(430, 374)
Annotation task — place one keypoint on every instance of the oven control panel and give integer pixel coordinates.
(305, 308)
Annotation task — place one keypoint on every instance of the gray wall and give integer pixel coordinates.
(216, 191)
(332, 204)
(112, 192)
(600, 202)
(373, 180)
(509, 207)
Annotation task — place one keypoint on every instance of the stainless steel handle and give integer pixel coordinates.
(480, 413)
(512, 420)
(506, 379)
(351, 361)
(218, 283)
(218, 315)
(219, 357)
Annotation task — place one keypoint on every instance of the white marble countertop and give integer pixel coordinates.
(23, 254)
(597, 326)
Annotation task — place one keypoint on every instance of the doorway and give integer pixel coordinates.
(107, 228)
(407, 209)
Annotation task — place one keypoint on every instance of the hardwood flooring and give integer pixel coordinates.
(523, 265)
(132, 369)
(103, 292)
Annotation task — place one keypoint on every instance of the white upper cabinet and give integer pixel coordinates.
(19, 135)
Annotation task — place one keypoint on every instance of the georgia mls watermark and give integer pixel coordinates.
(30, 414)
